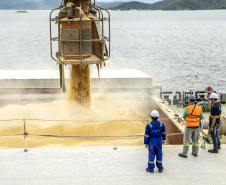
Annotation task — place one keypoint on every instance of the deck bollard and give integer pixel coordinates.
(25, 136)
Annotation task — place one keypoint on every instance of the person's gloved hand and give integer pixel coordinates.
(146, 146)
(163, 141)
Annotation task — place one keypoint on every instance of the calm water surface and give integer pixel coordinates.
(170, 46)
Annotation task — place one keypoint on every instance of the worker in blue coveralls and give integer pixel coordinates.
(155, 136)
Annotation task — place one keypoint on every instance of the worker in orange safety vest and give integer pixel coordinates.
(192, 116)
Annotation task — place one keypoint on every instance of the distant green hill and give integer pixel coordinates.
(108, 4)
(173, 5)
(132, 5)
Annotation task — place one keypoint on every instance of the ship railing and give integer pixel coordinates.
(26, 133)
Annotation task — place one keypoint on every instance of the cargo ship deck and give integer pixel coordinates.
(104, 165)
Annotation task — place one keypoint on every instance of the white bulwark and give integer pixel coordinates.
(50, 78)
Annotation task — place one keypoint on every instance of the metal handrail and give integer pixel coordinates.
(50, 24)
(102, 29)
(80, 21)
(108, 25)
(68, 40)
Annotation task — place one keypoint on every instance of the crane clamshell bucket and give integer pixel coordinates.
(81, 39)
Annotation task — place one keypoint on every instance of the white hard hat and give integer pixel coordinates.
(213, 95)
(154, 114)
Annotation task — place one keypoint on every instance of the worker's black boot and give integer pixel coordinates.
(149, 170)
(213, 151)
(181, 155)
(160, 170)
(194, 154)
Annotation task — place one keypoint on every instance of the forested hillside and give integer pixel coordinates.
(174, 5)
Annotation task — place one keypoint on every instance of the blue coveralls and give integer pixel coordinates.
(155, 133)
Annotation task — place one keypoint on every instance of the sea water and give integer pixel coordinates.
(170, 46)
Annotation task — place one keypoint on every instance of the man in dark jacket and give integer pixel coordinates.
(214, 122)
(155, 136)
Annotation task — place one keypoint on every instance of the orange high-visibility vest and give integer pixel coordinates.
(193, 120)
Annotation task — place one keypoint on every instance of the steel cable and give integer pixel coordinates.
(98, 120)
(86, 137)
(70, 136)
(11, 119)
(12, 135)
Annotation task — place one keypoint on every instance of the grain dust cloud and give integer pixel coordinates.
(96, 119)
